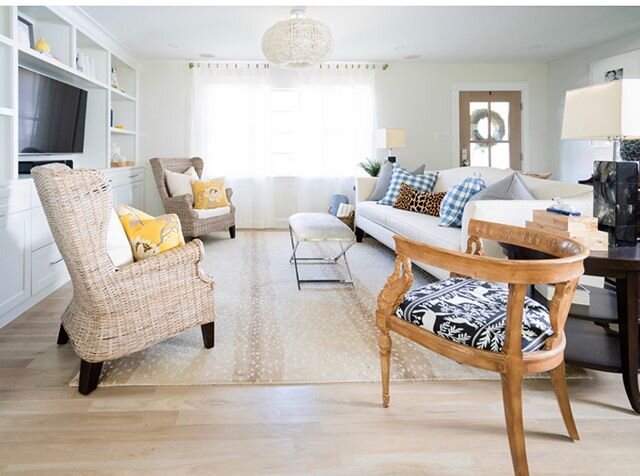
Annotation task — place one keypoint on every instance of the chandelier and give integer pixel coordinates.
(297, 42)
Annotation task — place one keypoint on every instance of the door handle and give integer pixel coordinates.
(55, 262)
(465, 158)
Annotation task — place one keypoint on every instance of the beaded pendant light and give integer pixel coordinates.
(298, 42)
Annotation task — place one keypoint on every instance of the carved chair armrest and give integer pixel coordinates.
(229, 192)
(485, 268)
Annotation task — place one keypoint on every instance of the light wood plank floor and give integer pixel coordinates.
(448, 428)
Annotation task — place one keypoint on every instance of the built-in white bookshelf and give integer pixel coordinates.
(79, 57)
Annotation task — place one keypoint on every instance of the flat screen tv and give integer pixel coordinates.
(51, 115)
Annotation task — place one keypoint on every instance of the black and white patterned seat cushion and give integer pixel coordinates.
(473, 312)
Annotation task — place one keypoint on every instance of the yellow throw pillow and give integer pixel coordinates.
(149, 235)
(209, 194)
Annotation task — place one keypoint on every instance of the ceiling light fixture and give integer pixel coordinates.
(297, 42)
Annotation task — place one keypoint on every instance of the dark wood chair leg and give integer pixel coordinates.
(89, 376)
(359, 234)
(232, 231)
(63, 337)
(208, 334)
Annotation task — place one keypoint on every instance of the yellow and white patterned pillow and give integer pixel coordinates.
(149, 235)
(209, 194)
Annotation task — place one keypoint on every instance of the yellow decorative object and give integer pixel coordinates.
(149, 235)
(209, 194)
(42, 46)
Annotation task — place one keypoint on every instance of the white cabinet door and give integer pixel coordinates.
(138, 195)
(123, 195)
(47, 268)
(15, 259)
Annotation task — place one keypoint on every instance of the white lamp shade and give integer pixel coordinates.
(603, 111)
(390, 138)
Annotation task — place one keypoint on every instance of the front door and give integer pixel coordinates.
(490, 129)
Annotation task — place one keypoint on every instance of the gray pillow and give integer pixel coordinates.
(384, 179)
(509, 188)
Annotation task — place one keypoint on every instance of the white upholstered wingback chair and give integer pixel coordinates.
(117, 311)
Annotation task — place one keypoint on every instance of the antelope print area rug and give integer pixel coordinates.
(268, 332)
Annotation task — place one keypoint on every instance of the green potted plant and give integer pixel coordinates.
(371, 166)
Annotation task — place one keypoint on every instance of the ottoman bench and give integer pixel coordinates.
(320, 227)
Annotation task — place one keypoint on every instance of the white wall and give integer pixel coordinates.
(573, 160)
(163, 109)
(413, 96)
(418, 98)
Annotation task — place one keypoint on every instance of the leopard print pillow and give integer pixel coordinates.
(427, 203)
(405, 197)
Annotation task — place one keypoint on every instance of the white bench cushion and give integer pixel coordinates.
(319, 227)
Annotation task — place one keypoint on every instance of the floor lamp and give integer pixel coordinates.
(609, 111)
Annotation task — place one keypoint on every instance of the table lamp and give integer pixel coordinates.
(390, 139)
(609, 111)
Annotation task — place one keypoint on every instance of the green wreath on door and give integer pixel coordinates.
(497, 125)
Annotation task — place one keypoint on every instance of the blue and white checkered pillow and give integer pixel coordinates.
(452, 206)
(422, 183)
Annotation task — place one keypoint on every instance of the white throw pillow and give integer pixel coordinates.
(118, 247)
(180, 184)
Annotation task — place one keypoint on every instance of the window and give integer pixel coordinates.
(320, 124)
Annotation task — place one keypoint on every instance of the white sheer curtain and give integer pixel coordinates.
(284, 140)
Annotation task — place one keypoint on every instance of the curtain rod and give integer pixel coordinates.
(383, 66)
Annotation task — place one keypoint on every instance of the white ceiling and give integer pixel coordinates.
(449, 34)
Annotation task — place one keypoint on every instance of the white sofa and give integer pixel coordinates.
(382, 222)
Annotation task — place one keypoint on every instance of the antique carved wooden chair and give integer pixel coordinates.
(474, 321)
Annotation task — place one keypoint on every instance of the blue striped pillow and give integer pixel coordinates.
(422, 183)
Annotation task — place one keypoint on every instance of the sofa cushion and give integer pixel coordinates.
(149, 235)
(447, 178)
(413, 201)
(118, 247)
(415, 226)
(384, 179)
(457, 197)
(209, 194)
(211, 212)
(180, 184)
(473, 313)
(422, 183)
(509, 188)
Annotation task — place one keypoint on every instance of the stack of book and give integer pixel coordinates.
(582, 229)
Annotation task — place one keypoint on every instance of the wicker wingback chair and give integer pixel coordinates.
(117, 311)
(192, 225)
(473, 321)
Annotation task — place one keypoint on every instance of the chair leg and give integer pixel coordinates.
(232, 231)
(559, 382)
(89, 376)
(63, 337)
(384, 343)
(359, 235)
(208, 334)
(512, 401)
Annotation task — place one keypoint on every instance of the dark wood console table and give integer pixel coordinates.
(590, 342)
